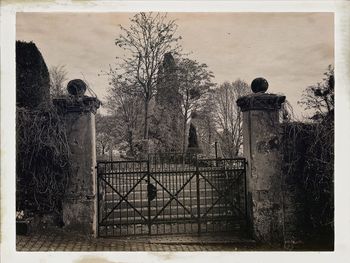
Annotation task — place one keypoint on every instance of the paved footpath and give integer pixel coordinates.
(64, 242)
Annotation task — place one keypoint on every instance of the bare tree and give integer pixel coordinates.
(146, 41)
(103, 141)
(228, 116)
(104, 137)
(320, 97)
(194, 83)
(58, 76)
(126, 109)
(204, 119)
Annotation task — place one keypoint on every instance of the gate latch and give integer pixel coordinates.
(151, 191)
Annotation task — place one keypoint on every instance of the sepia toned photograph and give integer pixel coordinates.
(175, 131)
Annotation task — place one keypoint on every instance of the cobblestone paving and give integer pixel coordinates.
(59, 242)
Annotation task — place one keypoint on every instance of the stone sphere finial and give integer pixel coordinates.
(76, 87)
(259, 85)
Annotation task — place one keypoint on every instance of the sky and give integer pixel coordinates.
(290, 50)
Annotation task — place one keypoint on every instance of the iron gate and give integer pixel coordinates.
(171, 194)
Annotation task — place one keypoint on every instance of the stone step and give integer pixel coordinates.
(161, 228)
(168, 219)
(175, 211)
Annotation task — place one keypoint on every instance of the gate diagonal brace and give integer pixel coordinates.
(221, 195)
(123, 198)
(173, 196)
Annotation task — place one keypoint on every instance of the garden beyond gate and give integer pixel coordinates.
(171, 194)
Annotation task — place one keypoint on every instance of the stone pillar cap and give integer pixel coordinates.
(77, 104)
(260, 101)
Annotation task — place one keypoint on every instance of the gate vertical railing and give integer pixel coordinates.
(148, 199)
(198, 197)
(98, 201)
(245, 191)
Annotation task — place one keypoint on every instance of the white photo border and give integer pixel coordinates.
(341, 9)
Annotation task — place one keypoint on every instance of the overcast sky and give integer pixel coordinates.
(290, 50)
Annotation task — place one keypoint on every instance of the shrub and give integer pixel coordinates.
(42, 159)
(32, 76)
(309, 165)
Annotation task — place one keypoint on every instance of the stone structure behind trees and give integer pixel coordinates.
(166, 122)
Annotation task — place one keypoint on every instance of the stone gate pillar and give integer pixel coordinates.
(261, 143)
(79, 204)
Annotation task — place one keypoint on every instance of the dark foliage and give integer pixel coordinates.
(42, 159)
(192, 137)
(165, 128)
(32, 76)
(309, 170)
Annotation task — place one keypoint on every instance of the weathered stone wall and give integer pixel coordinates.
(79, 203)
(261, 149)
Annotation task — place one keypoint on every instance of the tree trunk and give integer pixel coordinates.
(185, 123)
(184, 133)
(145, 131)
(209, 139)
(130, 142)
